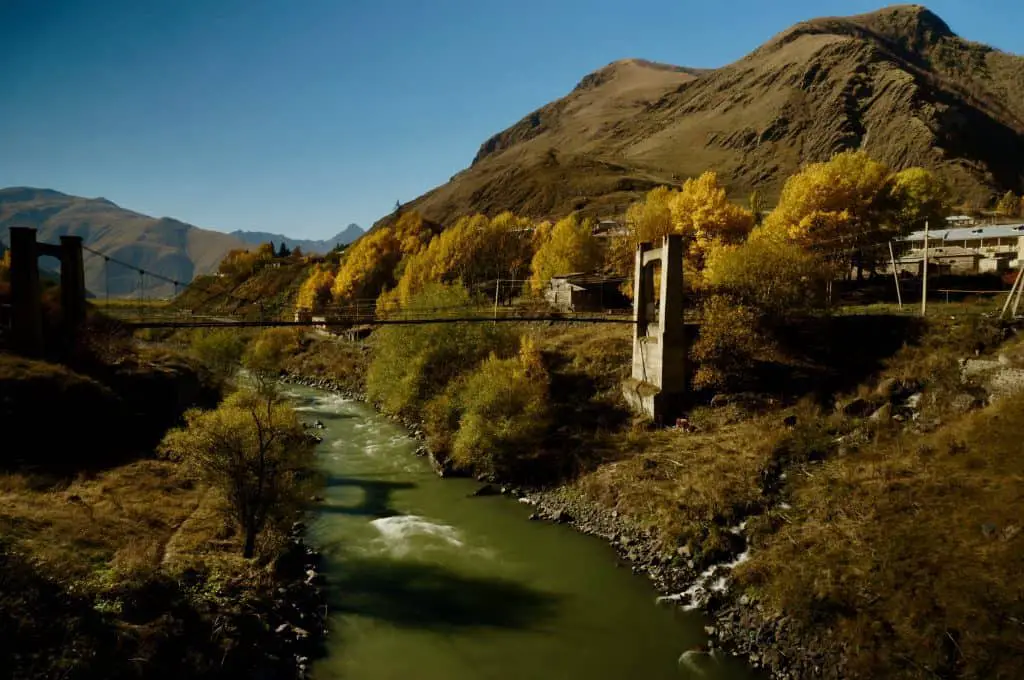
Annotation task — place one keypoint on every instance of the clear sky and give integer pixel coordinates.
(300, 116)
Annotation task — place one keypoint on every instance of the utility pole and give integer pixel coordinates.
(497, 285)
(896, 277)
(924, 275)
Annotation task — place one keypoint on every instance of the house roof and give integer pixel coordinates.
(940, 253)
(968, 233)
(582, 280)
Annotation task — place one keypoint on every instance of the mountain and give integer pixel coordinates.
(897, 83)
(164, 245)
(345, 236)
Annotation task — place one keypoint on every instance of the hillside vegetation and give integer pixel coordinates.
(897, 83)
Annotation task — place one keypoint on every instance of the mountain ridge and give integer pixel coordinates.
(321, 246)
(897, 82)
(164, 245)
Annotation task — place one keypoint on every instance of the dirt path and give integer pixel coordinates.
(170, 547)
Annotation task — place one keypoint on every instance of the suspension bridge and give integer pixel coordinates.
(143, 311)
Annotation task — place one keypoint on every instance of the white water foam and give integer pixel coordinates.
(403, 533)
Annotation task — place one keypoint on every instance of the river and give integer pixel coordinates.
(428, 582)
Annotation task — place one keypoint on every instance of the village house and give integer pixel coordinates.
(586, 292)
(967, 250)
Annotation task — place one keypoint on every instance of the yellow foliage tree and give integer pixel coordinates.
(837, 207)
(702, 213)
(5, 266)
(773, 275)
(472, 250)
(369, 265)
(919, 195)
(315, 292)
(1008, 205)
(648, 220)
(252, 448)
(570, 248)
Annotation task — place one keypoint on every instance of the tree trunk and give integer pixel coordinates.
(250, 542)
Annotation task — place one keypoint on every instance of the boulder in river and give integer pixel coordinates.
(485, 490)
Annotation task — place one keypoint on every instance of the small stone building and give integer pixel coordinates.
(586, 292)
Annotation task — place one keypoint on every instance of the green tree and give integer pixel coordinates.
(570, 248)
(266, 355)
(283, 251)
(254, 450)
(504, 413)
(219, 350)
(411, 363)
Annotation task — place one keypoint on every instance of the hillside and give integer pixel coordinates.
(165, 246)
(897, 83)
(343, 237)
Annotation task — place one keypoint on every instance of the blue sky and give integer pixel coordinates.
(300, 116)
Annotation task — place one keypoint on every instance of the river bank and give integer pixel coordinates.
(462, 584)
(738, 627)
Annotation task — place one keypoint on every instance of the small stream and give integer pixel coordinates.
(427, 582)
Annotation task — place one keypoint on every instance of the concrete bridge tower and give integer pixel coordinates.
(659, 377)
(27, 308)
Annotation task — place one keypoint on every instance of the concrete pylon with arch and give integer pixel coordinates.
(27, 307)
(659, 378)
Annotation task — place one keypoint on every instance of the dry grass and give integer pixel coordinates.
(911, 547)
(686, 487)
(127, 517)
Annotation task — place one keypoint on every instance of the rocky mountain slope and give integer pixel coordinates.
(897, 82)
(343, 237)
(165, 246)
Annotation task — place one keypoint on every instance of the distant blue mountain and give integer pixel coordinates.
(346, 236)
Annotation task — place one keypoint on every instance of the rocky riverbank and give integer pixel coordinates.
(741, 626)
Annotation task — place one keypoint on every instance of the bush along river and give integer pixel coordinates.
(426, 580)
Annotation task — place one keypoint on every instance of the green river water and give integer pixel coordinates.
(427, 582)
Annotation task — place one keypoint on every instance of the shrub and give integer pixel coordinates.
(775, 276)
(505, 413)
(413, 362)
(728, 345)
(219, 350)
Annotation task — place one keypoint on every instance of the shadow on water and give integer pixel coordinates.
(376, 500)
(429, 596)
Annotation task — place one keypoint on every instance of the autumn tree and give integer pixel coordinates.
(253, 449)
(700, 212)
(570, 248)
(315, 292)
(5, 264)
(775, 276)
(840, 206)
(368, 266)
(758, 205)
(1009, 205)
(647, 221)
(705, 217)
(919, 195)
(473, 250)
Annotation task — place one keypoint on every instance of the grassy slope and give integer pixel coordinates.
(275, 287)
(903, 540)
(112, 565)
